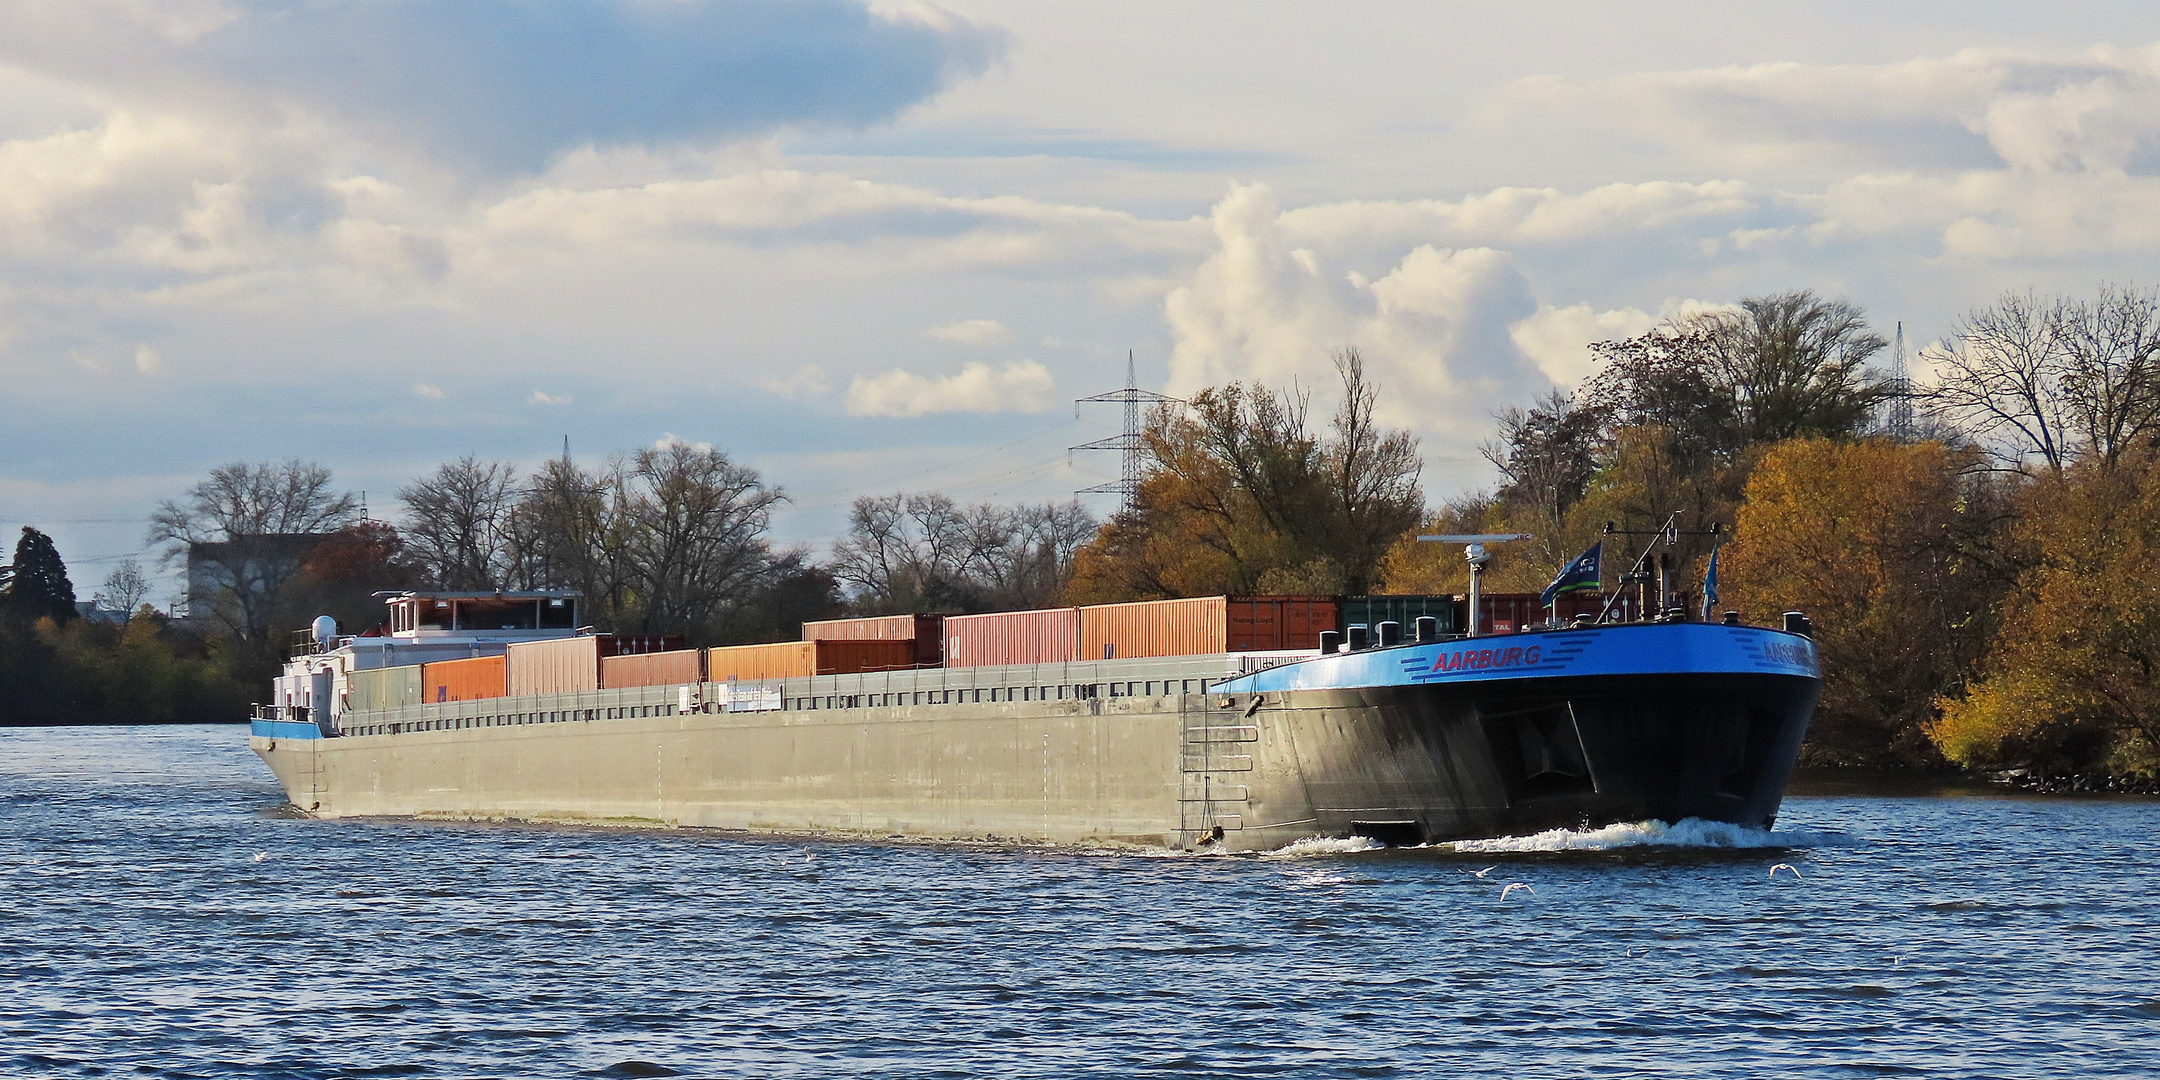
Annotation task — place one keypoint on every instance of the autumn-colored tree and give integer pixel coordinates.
(2072, 682)
(1882, 546)
(1242, 496)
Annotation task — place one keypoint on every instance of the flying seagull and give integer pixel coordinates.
(1487, 870)
(1784, 866)
(1514, 885)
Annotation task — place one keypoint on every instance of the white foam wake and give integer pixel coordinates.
(1688, 832)
(1324, 845)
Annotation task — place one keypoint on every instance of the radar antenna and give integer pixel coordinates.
(1127, 485)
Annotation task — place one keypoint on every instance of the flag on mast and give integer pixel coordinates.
(1580, 575)
(1709, 585)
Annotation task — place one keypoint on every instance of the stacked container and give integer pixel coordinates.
(464, 680)
(801, 659)
(1277, 623)
(1154, 628)
(382, 688)
(679, 667)
(557, 666)
(925, 631)
(1012, 637)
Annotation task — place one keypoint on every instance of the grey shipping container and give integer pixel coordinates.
(383, 688)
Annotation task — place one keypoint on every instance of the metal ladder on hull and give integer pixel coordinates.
(1216, 763)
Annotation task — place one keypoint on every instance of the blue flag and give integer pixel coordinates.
(1709, 586)
(1580, 575)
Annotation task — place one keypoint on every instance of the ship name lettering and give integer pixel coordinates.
(1477, 659)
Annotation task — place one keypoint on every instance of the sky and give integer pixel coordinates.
(869, 249)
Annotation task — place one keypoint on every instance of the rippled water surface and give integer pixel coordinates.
(159, 917)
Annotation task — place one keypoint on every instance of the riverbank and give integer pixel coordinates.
(1849, 782)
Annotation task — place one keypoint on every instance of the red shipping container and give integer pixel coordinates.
(926, 631)
(557, 665)
(853, 657)
(1189, 627)
(1012, 637)
(464, 680)
(1507, 613)
(1274, 623)
(676, 668)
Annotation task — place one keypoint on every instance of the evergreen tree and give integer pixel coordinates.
(37, 584)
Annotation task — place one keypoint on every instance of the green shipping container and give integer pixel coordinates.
(1374, 610)
(383, 688)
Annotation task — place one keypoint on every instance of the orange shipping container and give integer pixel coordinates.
(926, 631)
(785, 660)
(680, 667)
(1012, 637)
(463, 680)
(801, 659)
(1271, 623)
(1190, 627)
(556, 666)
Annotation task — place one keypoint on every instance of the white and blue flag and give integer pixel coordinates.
(1580, 575)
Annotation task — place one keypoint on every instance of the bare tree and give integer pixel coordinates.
(699, 524)
(571, 530)
(457, 523)
(1547, 455)
(1794, 364)
(2110, 347)
(2001, 378)
(248, 529)
(125, 588)
(2055, 379)
(929, 553)
(1372, 472)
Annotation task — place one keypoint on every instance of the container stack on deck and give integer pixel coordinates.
(1185, 627)
(925, 632)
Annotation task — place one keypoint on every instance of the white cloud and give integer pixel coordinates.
(973, 332)
(2096, 112)
(427, 391)
(1023, 386)
(542, 397)
(669, 440)
(806, 383)
(1558, 339)
(147, 360)
(1432, 327)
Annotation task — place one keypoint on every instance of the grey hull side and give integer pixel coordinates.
(1404, 764)
(1073, 772)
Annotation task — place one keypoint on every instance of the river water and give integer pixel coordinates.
(159, 917)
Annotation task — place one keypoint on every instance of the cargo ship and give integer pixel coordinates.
(1219, 723)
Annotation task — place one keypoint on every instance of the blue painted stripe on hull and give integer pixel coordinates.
(284, 729)
(1643, 649)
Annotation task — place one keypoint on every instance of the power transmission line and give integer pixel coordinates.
(1127, 486)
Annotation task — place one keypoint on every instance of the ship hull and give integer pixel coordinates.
(1249, 763)
(1430, 763)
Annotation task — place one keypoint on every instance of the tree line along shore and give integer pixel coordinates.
(1971, 544)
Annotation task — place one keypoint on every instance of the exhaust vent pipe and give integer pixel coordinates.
(1797, 623)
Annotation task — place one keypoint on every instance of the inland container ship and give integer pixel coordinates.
(1224, 723)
